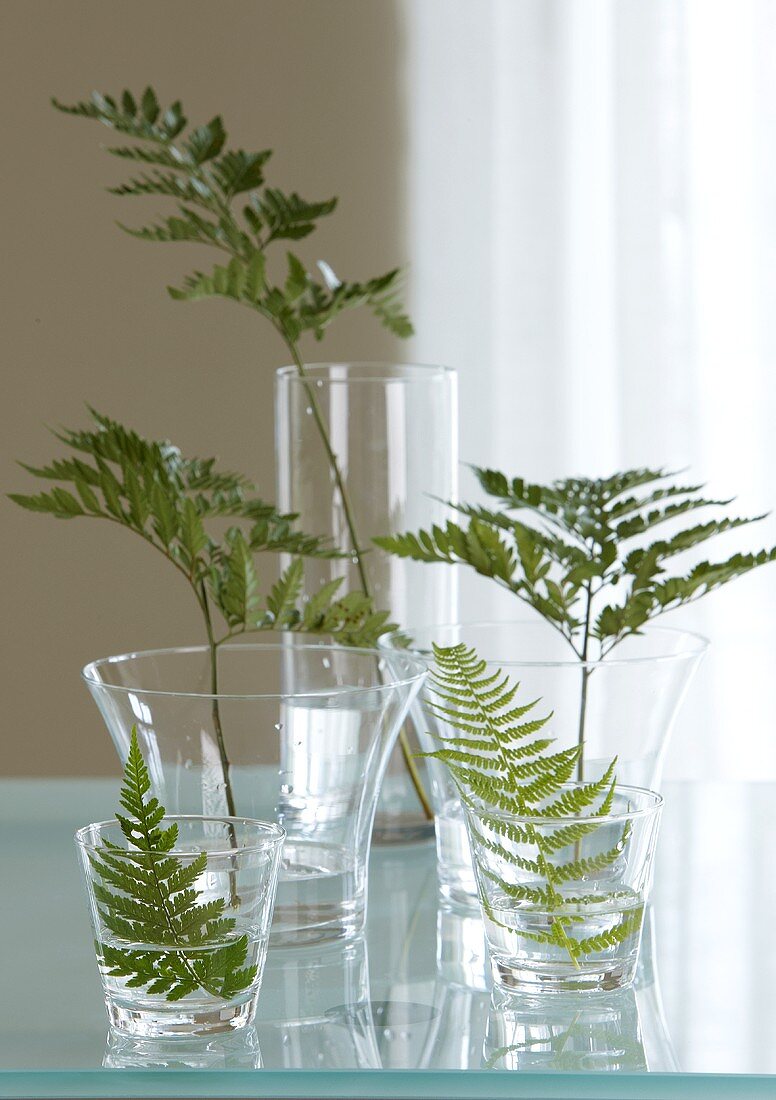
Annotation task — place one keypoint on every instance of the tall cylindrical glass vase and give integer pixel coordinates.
(369, 449)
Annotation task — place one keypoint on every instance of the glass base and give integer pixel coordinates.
(527, 977)
(457, 895)
(332, 931)
(320, 896)
(178, 1020)
(400, 818)
(402, 828)
(233, 1050)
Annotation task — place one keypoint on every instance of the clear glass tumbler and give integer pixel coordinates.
(595, 697)
(393, 431)
(181, 947)
(216, 1051)
(298, 732)
(563, 898)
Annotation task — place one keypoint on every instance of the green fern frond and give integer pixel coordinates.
(589, 866)
(629, 926)
(516, 788)
(158, 904)
(537, 895)
(195, 169)
(169, 500)
(565, 548)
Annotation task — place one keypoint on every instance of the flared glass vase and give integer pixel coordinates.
(625, 706)
(298, 734)
(392, 429)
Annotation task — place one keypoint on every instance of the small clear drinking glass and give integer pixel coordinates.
(563, 898)
(201, 973)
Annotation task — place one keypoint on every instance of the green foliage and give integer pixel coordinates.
(580, 553)
(222, 200)
(174, 503)
(518, 789)
(158, 904)
(304, 305)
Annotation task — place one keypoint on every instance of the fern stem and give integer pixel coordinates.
(216, 711)
(409, 761)
(585, 677)
(334, 465)
(586, 674)
(162, 902)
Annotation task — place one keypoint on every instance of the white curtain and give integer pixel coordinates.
(592, 232)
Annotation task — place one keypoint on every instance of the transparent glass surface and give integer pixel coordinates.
(408, 1011)
(394, 430)
(565, 914)
(306, 730)
(240, 876)
(657, 665)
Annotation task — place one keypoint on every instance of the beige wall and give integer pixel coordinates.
(86, 316)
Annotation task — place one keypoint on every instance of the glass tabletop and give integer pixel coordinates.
(408, 1010)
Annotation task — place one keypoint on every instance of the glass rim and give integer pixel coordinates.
(276, 835)
(431, 371)
(89, 672)
(699, 647)
(655, 800)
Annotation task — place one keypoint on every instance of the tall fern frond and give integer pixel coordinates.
(221, 199)
(580, 551)
(149, 487)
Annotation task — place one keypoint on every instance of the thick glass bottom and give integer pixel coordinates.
(400, 818)
(457, 895)
(552, 978)
(235, 1049)
(171, 1020)
(302, 925)
(402, 828)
